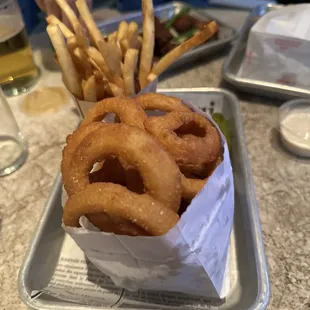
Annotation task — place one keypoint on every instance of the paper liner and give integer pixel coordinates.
(191, 258)
(84, 106)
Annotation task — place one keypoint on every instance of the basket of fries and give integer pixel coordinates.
(96, 66)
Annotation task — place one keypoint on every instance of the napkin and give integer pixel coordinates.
(278, 48)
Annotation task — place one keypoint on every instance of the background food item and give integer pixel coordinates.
(179, 28)
(70, 74)
(199, 38)
(147, 50)
(95, 67)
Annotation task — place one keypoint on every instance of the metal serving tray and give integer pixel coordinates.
(233, 62)
(249, 278)
(226, 33)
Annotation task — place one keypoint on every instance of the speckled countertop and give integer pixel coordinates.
(281, 180)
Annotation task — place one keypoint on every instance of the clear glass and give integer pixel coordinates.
(18, 70)
(13, 148)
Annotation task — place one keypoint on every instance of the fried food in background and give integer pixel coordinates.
(95, 66)
(179, 28)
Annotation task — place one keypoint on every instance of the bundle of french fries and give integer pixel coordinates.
(95, 66)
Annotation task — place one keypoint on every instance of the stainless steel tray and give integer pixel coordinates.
(249, 278)
(234, 60)
(226, 33)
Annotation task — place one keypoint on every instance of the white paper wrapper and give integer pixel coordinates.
(84, 106)
(191, 258)
(278, 48)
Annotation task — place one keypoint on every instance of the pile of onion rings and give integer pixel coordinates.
(136, 176)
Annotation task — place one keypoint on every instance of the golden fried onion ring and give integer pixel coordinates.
(73, 141)
(136, 148)
(155, 101)
(192, 185)
(112, 199)
(102, 221)
(115, 224)
(189, 151)
(126, 110)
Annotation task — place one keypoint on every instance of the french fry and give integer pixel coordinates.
(97, 57)
(100, 88)
(81, 55)
(107, 89)
(111, 60)
(65, 7)
(139, 43)
(124, 43)
(89, 21)
(130, 63)
(112, 37)
(132, 34)
(52, 19)
(95, 67)
(70, 75)
(72, 44)
(89, 89)
(122, 31)
(147, 51)
(115, 50)
(199, 38)
(116, 91)
(82, 39)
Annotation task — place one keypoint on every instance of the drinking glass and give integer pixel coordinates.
(18, 71)
(13, 148)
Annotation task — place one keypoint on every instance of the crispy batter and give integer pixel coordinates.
(192, 185)
(155, 101)
(188, 150)
(115, 224)
(73, 141)
(115, 200)
(136, 148)
(125, 108)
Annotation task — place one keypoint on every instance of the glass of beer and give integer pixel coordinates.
(13, 149)
(18, 71)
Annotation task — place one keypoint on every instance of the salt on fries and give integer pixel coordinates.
(96, 66)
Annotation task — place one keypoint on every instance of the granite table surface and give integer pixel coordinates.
(281, 181)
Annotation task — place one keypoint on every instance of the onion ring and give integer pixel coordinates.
(115, 224)
(191, 186)
(111, 171)
(73, 141)
(154, 101)
(189, 151)
(136, 148)
(113, 199)
(126, 110)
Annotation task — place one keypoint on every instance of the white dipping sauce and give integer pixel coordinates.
(295, 132)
